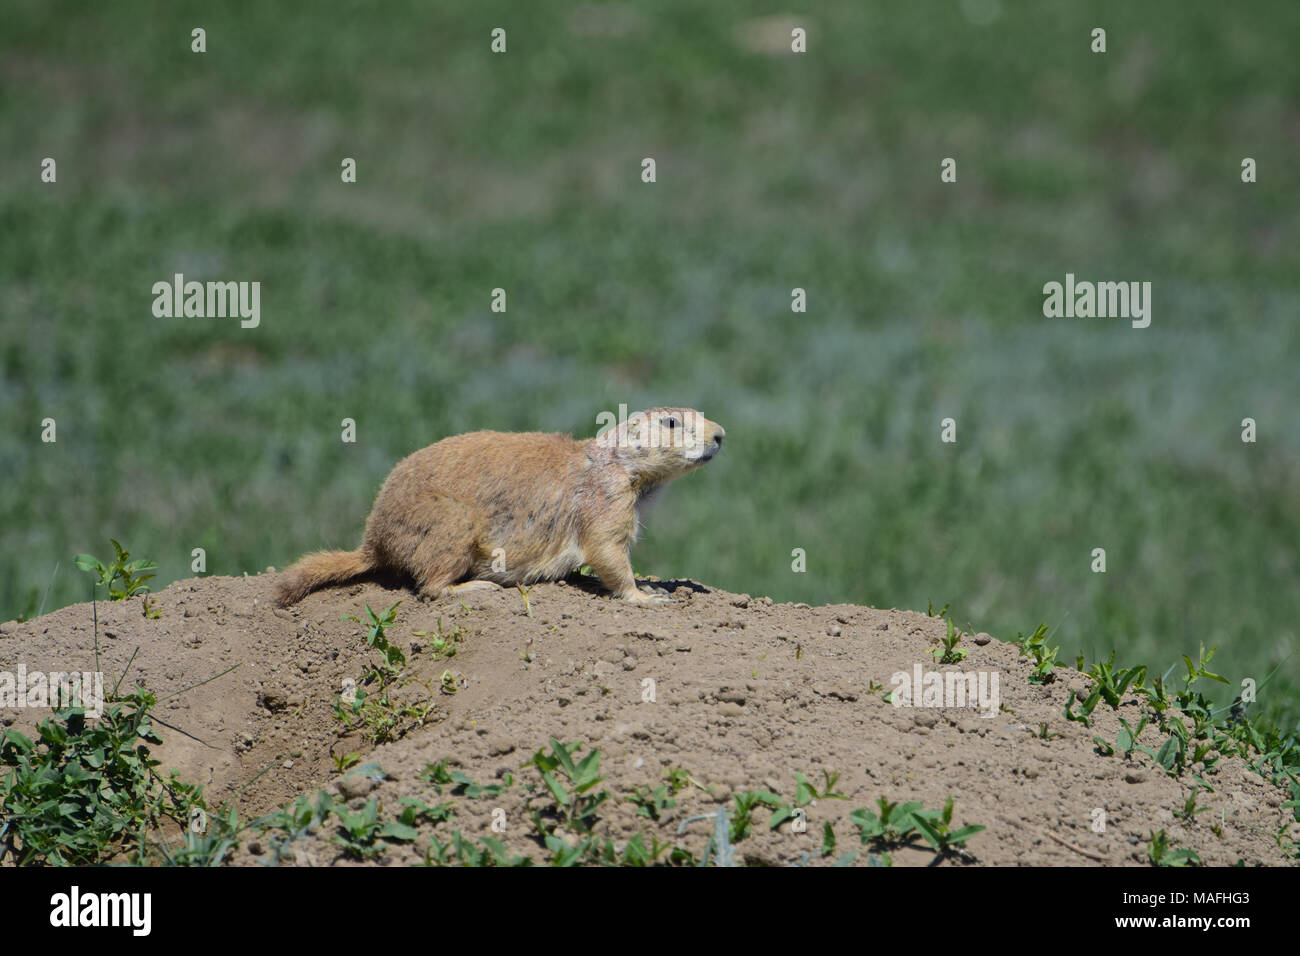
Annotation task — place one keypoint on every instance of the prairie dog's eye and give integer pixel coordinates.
(670, 421)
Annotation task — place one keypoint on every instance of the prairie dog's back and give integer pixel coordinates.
(513, 500)
(488, 468)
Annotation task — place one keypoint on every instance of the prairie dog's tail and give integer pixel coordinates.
(319, 569)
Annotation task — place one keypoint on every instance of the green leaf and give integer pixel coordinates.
(828, 839)
(395, 830)
(929, 831)
(558, 792)
(16, 739)
(779, 816)
(1166, 755)
(961, 835)
(803, 790)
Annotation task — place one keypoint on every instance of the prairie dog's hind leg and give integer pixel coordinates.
(476, 585)
(436, 583)
(439, 545)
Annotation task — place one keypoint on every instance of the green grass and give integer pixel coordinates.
(820, 171)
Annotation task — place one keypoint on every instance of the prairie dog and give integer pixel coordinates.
(518, 507)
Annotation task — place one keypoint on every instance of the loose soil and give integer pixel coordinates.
(740, 692)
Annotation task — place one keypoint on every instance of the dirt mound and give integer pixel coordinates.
(739, 693)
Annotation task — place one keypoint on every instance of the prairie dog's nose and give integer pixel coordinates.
(719, 434)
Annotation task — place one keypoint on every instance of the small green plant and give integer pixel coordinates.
(948, 652)
(362, 835)
(416, 811)
(1190, 809)
(442, 643)
(679, 778)
(1200, 671)
(805, 793)
(1161, 852)
(893, 826)
(1084, 714)
(575, 804)
(899, 824)
(394, 661)
(1172, 755)
(207, 841)
(936, 827)
(380, 718)
(829, 842)
(286, 826)
(489, 851)
(1111, 684)
(358, 831)
(575, 854)
(1035, 646)
(636, 853)
(121, 579)
(436, 774)
(654, 804)
(1158, 699)
(750, 800)
(1125, 742)
(459, 783)
(343, 761)
(1282, 839)
(1204, 753)
(1294, 803)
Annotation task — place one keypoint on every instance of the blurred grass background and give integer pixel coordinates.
(774, 171)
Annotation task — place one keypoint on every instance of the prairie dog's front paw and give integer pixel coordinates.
(647, 598)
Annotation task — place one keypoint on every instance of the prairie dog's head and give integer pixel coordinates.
(661, 444)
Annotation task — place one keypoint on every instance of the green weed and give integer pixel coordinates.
(121, 579)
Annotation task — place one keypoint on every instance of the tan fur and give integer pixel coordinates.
(550, 502)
